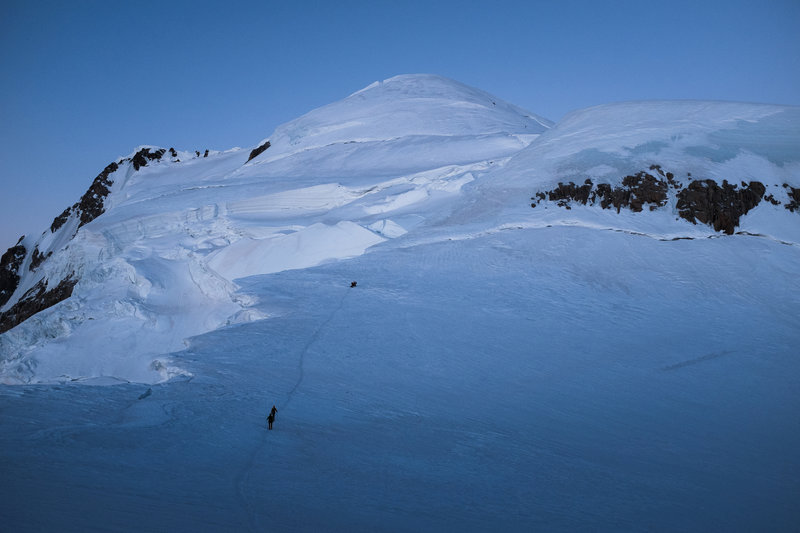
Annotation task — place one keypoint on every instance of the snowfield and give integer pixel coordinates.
(497, 367)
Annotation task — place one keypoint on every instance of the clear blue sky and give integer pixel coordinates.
(84, 82)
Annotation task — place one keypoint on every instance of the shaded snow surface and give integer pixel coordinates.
(497, 367)
(542, 379)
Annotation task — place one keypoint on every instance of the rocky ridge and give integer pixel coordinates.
(36, 299)
(10, 266)
(90, 206)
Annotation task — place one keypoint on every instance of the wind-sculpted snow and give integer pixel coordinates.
(154, 252)
(303, 248)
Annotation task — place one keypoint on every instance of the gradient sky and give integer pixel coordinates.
(85, 82)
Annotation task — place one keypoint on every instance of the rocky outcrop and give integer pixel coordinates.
(91, 203)
(60, 220)
(794, 198)
(38, 298)
(635, 192)
(10, 266)
(256, 151)
(90, 206)
(719, 206)
(703, 201)
(568, 192)
(143, 156)
(37, 258)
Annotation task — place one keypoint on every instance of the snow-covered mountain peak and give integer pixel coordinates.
(153, 252)
(431, 87)
(405, 106)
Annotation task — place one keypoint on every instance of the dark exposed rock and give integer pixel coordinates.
(612, 196)
(771, 199)
(539, 196)
(60, 220)
(645, 189)
(794, 198)
(657, 168)
(205, 154)
(38, 298)
(704, 201)
(173, 153)
(258, 151)
(144, 155)
(197, 153)
(37, 258)
(90, 205)
(636, 191)
(673, 182)
(10, 265)
(718, 206)
(569, 191)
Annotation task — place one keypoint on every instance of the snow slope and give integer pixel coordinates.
(498, 367)
(553, 379)
(159, 265)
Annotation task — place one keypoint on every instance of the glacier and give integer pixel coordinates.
(498, 367)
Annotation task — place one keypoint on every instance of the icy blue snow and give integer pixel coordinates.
(552, 379)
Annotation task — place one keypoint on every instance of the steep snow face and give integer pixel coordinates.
(173, 230)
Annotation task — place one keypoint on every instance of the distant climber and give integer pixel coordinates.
(271, 416)
(353, 284)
